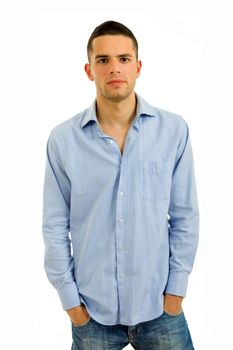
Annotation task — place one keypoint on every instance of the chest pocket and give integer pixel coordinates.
(154, 180)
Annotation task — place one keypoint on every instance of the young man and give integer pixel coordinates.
(120, 189)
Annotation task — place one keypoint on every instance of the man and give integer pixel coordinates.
(120, 191)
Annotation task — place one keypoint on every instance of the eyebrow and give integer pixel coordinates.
(107, 56)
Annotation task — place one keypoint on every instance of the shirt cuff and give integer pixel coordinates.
(177, 283)
(69, 296)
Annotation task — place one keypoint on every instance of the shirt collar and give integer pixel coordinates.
(144, 109)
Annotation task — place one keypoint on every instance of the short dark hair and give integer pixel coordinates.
(111, 28)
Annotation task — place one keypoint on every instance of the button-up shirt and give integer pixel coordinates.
(120, 229)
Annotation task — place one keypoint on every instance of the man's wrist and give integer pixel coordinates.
(73, 310)
(172, 303)
(78, 314)
(173, 297)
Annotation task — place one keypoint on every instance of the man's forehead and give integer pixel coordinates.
(112, 41)
(112, 46)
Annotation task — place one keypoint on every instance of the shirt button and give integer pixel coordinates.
(121, 193)
(111, 141)
(122, 274)
(121, 220)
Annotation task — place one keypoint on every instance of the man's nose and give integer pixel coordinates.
(115, 66)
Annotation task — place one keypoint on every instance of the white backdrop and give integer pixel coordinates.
(186, 52)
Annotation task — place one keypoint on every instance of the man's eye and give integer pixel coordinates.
(125, 59)
(103, 60)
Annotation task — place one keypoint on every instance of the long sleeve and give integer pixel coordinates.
(56, 226)
(183, 218)
(105, 211)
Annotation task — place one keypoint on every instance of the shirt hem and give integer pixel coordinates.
(104, 323)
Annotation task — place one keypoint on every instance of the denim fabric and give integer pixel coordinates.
(167, 332)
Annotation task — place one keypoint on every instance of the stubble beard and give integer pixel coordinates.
(117, 96)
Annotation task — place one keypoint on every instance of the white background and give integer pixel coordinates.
(186, 50)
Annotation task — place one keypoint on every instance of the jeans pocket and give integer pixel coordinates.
(172, 315)
(154, 180)
(82, 324)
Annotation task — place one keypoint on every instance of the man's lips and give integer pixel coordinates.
(116, 82)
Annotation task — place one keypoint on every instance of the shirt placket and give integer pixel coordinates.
(121, 216)
(122, 220)
(121, 249)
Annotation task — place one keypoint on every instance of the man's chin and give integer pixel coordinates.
(117, 97)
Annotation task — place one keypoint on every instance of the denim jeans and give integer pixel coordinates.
(167, 332)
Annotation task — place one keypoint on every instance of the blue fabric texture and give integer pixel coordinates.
(120, 229)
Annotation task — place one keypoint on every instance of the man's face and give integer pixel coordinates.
(113, 66)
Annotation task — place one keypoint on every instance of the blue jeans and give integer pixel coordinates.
(167, 332)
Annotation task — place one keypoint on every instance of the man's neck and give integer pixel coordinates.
(116, 115)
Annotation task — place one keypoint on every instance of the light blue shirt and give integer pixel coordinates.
(120, 230)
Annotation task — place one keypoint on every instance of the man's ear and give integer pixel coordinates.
(139, 63)
(87, 68)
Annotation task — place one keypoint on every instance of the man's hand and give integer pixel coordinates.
(78, 315)
(172, 304)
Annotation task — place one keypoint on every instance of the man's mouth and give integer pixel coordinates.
(116, 82)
